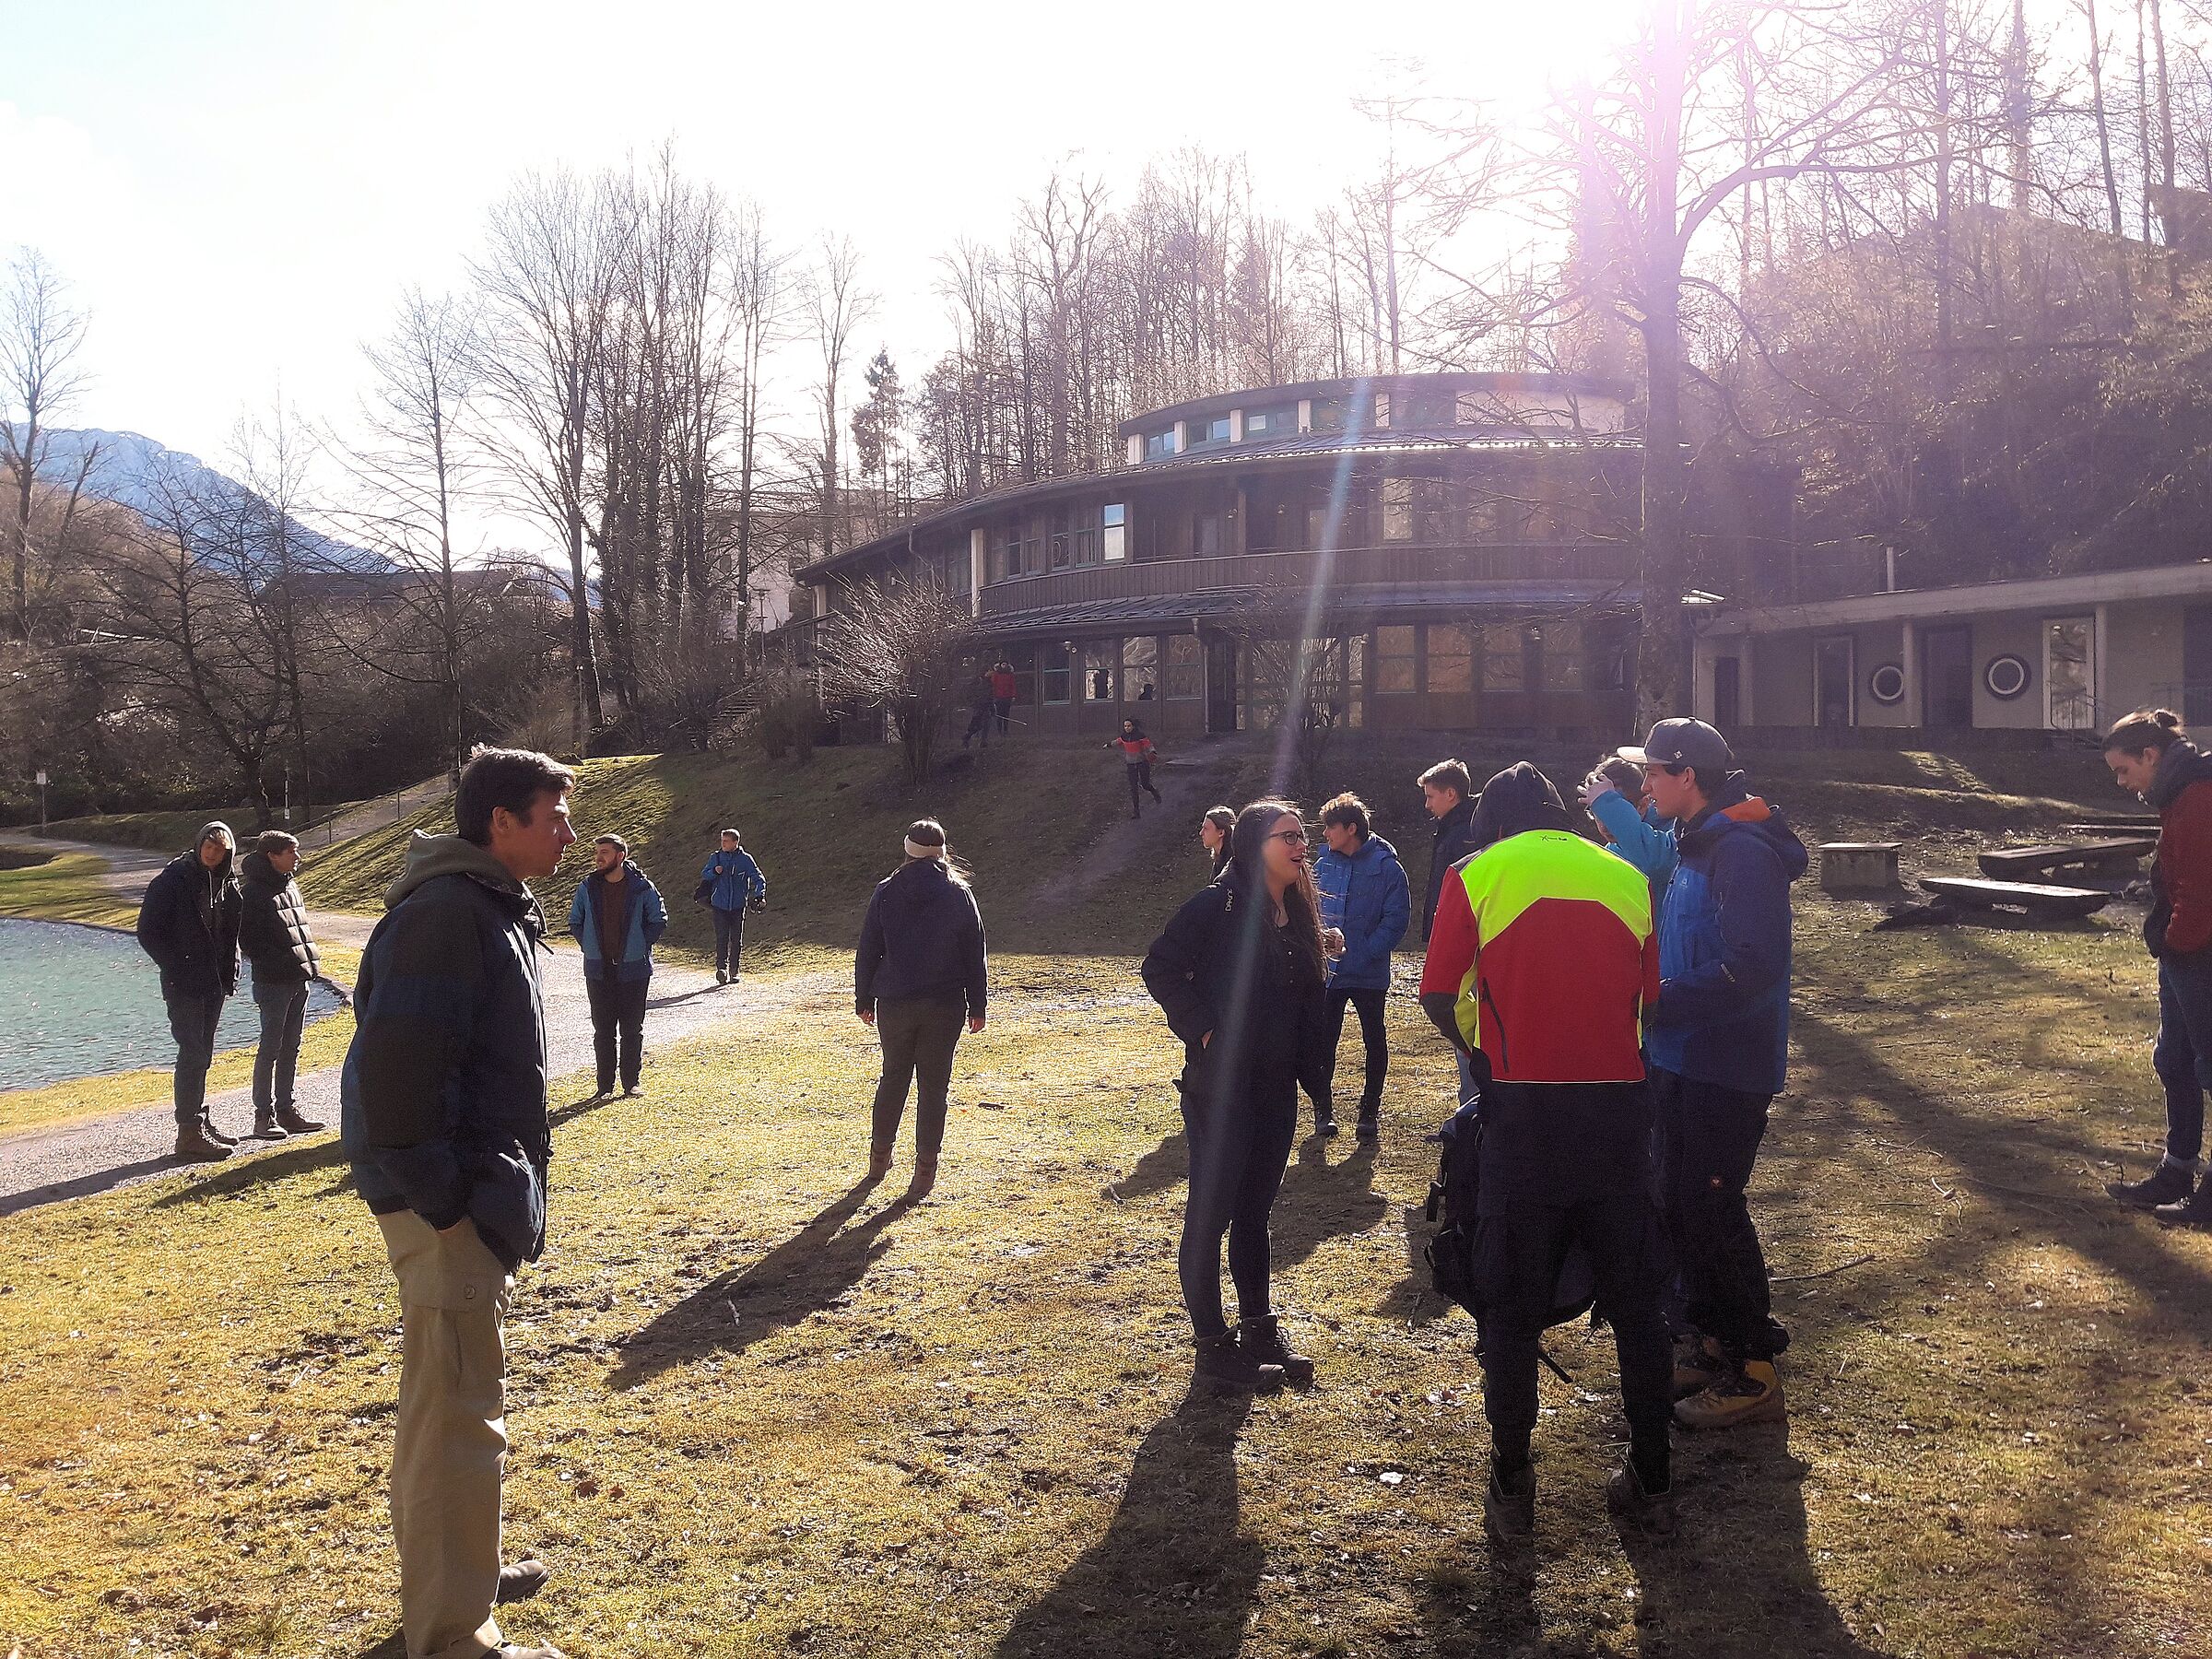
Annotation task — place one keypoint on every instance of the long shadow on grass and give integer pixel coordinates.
(1321, 1200)
(730, 1313)
(1173, 1573)
(84, 1187)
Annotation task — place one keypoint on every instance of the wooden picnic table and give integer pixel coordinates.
(2036, 898)
(2114, 853)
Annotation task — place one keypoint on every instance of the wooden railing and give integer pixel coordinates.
(1363, 569)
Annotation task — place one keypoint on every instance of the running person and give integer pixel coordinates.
(1136, 755)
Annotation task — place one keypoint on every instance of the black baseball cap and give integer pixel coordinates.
(1682, 741)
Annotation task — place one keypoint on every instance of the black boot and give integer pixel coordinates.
(2194, 1211)
(1224, 1366)
(1371, 1123)
(2169, 1184)
(1262, 1341)
(1324, 1121)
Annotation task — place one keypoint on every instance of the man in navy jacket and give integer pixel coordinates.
(1365, 898)
(618, 917)
(1719, 1042)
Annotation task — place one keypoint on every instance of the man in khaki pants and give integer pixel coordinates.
(444, 1102)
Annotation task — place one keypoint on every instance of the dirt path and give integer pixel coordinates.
(1188, 784)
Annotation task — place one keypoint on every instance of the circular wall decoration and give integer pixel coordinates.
(1886, 685)
(2007, 677)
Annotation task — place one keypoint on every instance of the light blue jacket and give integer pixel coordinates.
(645, 919)
(735, 877)
(1645, 839)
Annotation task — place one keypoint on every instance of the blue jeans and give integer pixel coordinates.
(283, 1017)
(191, 1021)
(2184, 1056)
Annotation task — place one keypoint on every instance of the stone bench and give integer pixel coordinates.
(1859, 866)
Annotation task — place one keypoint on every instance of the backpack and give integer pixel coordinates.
(1455, 1253)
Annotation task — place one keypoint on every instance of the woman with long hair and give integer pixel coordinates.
(919, 971)
(1213, 835)
(1238, 972)
(1138, 754)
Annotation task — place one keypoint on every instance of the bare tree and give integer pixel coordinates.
(757, 289)
(898, 645)
(835, 305)
(40, 336)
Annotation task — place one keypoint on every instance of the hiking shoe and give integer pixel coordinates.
(1509, 1506)
(1261, 1340)
(1632, 1500)
(293, 1121)
(208, 1129)
(721, 978)
(193, 1145)
(515, 1649)
(2193, 1211)
(2169, 1184)
(925, 1178)
(1224, 1366)
(266, 1127)
(1750, 1393)
(1324, 1125)
(518, 1580)
(633, 1091)
(1698, 1364)
(1370, 1127)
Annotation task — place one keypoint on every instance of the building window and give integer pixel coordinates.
(1098, 670)
(1382, 413)
(1393, 661)
(1206, 534)
(1185, 682)
(1113, 531)
(1451, 658)
(1054, 673)
(1161, 445)
(1565, 659)
(1328, 414)
(1022, 659)
(1277, 420)
(1397, 509)
(1206, 433)
(1504, 658)
(1140, 668)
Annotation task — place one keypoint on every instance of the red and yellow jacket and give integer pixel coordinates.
(1546, 940)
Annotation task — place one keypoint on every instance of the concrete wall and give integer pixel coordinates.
(2143, 657)
(2018, 634)
(1782, 679)
(1880, 642)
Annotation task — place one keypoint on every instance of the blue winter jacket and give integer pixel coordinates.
(647, 919)
(1723, 1009)
(735, 877)
(1645, 839)
(1365, 896)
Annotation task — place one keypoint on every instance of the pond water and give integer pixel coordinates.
(78, 1001)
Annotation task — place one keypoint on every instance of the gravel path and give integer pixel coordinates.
(72, 1160)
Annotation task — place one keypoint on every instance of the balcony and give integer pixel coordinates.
(1358, 573)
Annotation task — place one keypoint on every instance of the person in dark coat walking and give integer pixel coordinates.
(1719, 1042)
(443, 1109)
(735, 886)
(1364, 899)
(2152, 755)
(618, 917)
(188, 922)
(280, 948)
(921, 968)
(1239, 972)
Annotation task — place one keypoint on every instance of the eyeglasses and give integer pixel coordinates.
(1297, 838)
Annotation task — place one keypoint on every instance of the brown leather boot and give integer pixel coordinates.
(925, 1178)
(879, 1160)
(265, 1126)
(293, 1121)
(193, 1145)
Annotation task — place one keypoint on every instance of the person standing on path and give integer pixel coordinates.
(919, 969)
(442, 1105)
(1365, 898)
(2151, 754)
(280, 949)
(1238, 971)
(618, 917)
(1719, 1042)
(1138, 754)
(735, 886)
(1539, 968)
(1003, 687)
(188, 922)
(1213, 835)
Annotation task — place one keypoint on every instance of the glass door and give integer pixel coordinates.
(1833, 704)
(2070, 674)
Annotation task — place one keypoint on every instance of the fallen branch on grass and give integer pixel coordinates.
(1793, 1279)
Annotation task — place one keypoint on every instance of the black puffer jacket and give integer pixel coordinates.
(273, 926)
(1217, 967)
(922, 937)
(188, 922)
(1454, 840)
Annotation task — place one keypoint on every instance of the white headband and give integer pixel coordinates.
(915, 849)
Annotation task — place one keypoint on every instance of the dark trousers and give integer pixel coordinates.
(918, 1035)
(1140, 777)
(2184, 1056)
(1709, 1139)
(979, 723)
(617, 1027)
(1523, 1250)
(1003, 707)
(1373, 1035)
(283, 1019)
(1239, 1139)
(729, 939)
(191, 1021)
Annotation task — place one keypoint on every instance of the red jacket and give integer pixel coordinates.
(2181, 871)
(1135, 749)
(1001, 685)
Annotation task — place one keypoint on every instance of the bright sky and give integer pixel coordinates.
(237, 190)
